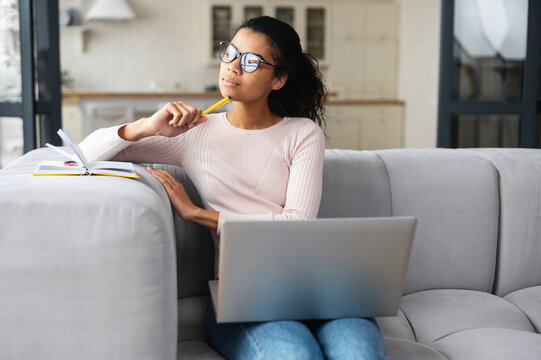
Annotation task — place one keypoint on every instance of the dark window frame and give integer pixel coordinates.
(527, 108)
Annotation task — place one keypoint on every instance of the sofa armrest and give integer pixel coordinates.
(87, 266)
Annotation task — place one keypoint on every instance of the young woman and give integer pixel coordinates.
(261, 160)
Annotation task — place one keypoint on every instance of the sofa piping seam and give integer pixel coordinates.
(410, 324)
(388, 180)
(482, 327)
(496, 279)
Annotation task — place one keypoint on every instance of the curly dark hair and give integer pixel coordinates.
(304, 92)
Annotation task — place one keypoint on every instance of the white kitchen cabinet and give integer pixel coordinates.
(379, 68)
(364, 126)
(380, 20)
(381, 127)
(309, 18)
(342, 128)
(364, 45)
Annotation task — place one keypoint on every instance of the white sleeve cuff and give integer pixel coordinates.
(228, 216)
(103, 144)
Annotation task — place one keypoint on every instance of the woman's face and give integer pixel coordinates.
(244, 86)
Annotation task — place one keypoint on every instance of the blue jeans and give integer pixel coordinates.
(345, 338)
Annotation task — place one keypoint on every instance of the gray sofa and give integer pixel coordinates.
(87, 263)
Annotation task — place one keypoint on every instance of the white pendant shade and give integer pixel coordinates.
(110, 10)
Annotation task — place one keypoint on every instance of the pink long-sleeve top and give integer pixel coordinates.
(273, 173)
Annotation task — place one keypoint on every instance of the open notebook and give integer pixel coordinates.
(78, 165)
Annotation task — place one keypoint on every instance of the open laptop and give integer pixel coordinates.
(311, 269)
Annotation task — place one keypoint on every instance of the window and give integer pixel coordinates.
(489, 67)
(11, 139)
(10, 53)
(487, 130)
(30, 73)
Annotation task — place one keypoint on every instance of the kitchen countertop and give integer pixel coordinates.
(73, 96)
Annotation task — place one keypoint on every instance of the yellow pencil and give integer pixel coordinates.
(220, 103)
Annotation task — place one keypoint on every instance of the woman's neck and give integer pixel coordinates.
(251, 116)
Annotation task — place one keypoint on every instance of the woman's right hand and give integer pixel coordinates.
(173, 119)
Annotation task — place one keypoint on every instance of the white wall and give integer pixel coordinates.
(167, 41)
(418, 79)
(161, 41)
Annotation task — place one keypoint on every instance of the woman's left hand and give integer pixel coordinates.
(176, 192)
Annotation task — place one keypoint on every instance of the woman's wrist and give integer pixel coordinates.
(208, 218)
(133, 131)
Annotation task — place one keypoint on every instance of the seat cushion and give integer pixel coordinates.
(396, 326)
(196, 350)
(191, 329)
(529, 301)
(434, 314)
(400, 349)
(492, 344)
(191, 318)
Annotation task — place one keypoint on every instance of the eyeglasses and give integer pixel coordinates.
(249, 62)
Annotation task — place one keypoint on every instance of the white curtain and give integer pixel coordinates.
(485, 28)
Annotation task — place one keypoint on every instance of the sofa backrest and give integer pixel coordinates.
(349, 190)
(454, 195)
(519, 260)
(355, 184)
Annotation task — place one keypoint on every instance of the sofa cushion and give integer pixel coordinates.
(196, 350)
(529, 301)
(396, 326)
(454, 196)
(355, 184)
(191, 329)
(491, 343)
(434, 314)
(400, 349)
(520, 243)
(191, 318)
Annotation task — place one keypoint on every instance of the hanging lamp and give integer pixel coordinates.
(110, 10)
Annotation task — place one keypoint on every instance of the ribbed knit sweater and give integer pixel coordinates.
(273, 173)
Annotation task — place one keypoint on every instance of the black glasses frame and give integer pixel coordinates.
(222, 52)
